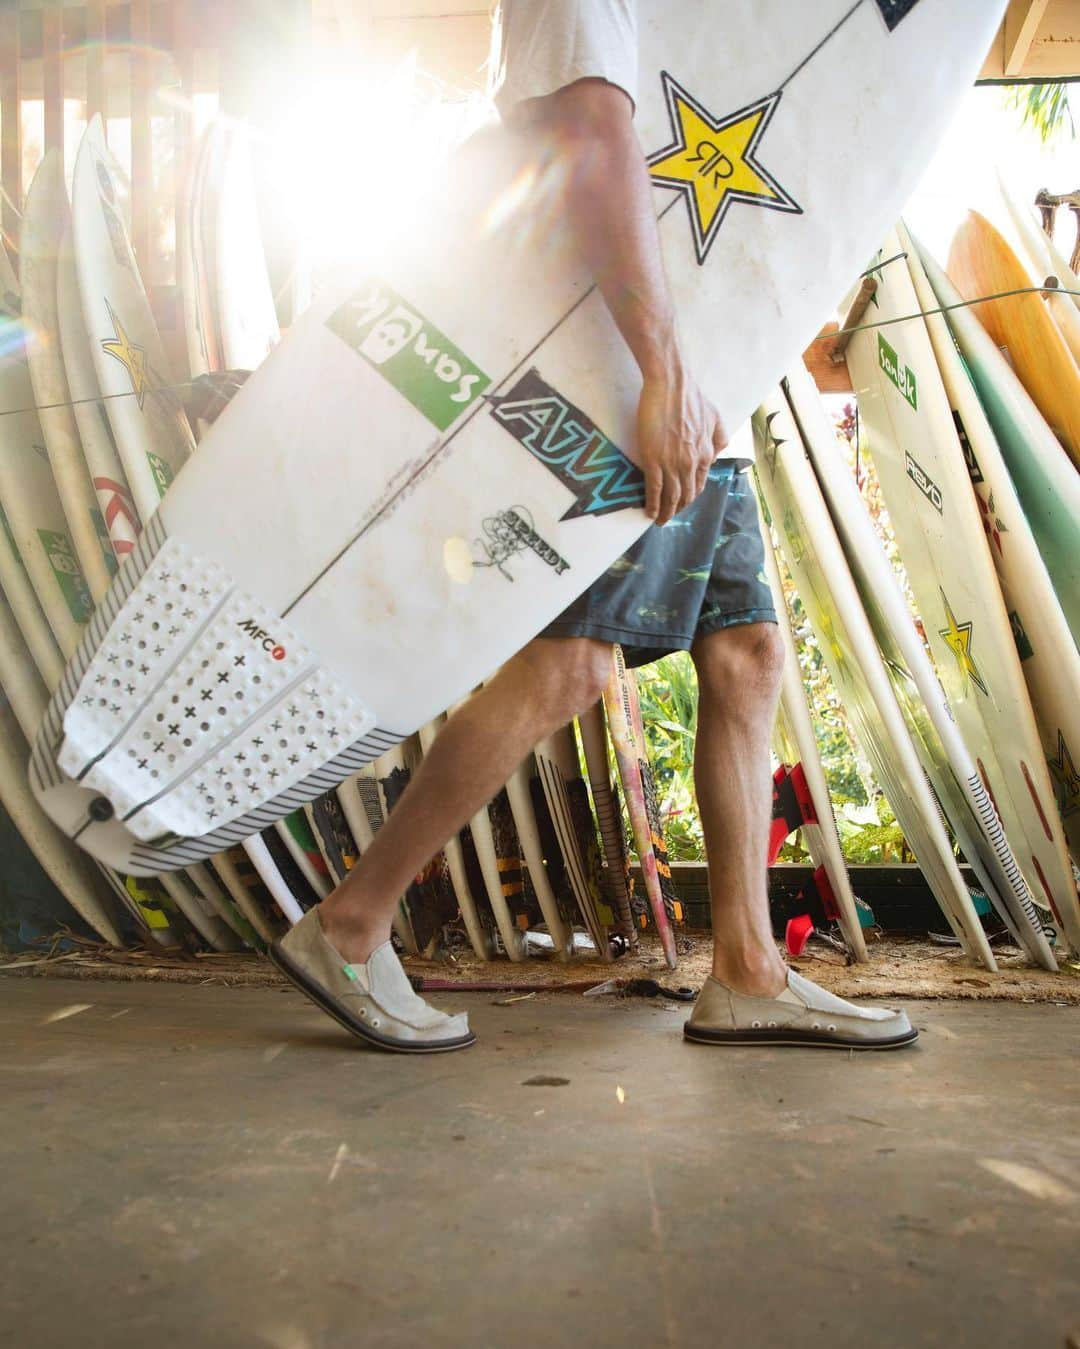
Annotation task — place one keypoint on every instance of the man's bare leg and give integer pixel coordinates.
(541, 689)
(739, 681)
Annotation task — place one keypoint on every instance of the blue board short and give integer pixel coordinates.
(702, 571)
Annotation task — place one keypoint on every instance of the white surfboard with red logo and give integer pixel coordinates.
(440, 456)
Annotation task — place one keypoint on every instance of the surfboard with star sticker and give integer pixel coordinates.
(441, 453)
(919, 457)
(147, 419)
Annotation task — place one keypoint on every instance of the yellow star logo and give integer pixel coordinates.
(713, 163)
(130, 356)
(958, 637)
(1063, 769)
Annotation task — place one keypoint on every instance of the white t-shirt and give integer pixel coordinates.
(541, 46)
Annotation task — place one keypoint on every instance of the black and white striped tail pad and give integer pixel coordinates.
(43, 763)
(164, 855)
(200, 704)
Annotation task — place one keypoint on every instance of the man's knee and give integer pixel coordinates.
(741, 664)
(570, 673)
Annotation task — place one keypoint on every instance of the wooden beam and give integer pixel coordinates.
(142, 151)
(52, 75)
(1022, 21)
(10, 123)
(830, 375)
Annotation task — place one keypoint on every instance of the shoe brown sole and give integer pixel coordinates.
(802, 1039)
(324, 1000)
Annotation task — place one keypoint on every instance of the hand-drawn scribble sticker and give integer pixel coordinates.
(895, 12)
(1066, 778)
(713, 162)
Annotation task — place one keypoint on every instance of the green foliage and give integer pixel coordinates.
(668, 690)
(1045, 108)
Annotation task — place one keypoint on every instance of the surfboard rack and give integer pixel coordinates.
(1047, 204)
(854, 316)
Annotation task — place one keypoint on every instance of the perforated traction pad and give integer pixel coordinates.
(200, 705)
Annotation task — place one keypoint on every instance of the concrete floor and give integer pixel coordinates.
(188, 1166)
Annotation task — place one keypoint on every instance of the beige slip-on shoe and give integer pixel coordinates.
(803, 1014)
(374, 1000)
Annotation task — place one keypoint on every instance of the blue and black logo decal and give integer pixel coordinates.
(565, 441)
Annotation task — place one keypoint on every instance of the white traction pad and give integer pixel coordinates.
(201, 705)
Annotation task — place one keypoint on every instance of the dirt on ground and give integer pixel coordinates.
(899, 967)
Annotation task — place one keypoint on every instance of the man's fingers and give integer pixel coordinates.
(654, 486)
(702, 479)
(670, 499)
(719, 438)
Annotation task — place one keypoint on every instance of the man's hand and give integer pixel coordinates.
(679, 437)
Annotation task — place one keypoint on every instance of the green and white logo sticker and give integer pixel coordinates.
(410, 353)
(898, 372)
(68, 573)
(163, 474)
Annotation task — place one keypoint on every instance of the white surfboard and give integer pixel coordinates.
(969, 805)
(475, 407)
(920, 465)
(16, 585)
(1036, 252)
(559, 769)
(151, 432)
(10, 291)
(44, 223)
(1049, 657)
(478, 934)
(1046, 483)
(245, 299)
(362, 801)
(520, 796)
(624, 721)
(102, 458)
(608, 809)
(70, 871)
(812, 552)
(798, 743)
(34, 513)
(190, 261)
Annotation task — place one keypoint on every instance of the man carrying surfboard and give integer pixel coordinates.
(565, 77)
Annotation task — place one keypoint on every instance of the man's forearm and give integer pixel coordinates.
(611, 214)
(608, 207)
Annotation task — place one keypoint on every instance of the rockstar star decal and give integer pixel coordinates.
(958, 637)
(131, 356)
(1066, 779)
(713, 162)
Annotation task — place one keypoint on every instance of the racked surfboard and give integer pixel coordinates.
(815, 560)
(1048, 653)
(466, 419)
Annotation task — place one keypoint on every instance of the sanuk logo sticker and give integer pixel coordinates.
(68, 573)
(898, 372)
(410, 353)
